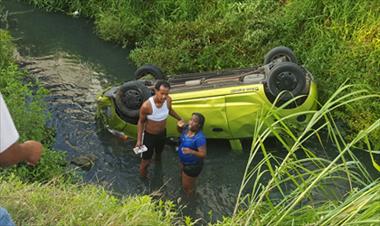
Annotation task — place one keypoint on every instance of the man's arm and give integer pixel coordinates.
(172, 112)
(29, 151)
(144, 111)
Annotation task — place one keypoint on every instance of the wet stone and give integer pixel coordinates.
(85, 162)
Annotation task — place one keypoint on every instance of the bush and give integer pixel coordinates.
(6, 49)
(223, 35)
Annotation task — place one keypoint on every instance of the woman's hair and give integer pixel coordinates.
(201, 119)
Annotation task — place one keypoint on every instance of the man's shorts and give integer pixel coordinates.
(193, 170)
(154, 143)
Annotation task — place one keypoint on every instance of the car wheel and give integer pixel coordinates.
(149, 69)
(130, 96)
(279, 52)
(286, 76)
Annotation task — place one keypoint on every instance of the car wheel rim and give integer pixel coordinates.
(286, 81)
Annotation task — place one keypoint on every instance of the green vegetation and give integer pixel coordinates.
(306, 187)
(64, 204)
(336, 40)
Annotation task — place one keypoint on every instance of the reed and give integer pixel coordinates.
(305, 186)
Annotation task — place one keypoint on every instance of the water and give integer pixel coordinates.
(74, 65)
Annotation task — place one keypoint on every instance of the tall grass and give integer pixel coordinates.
(304, 187)
(63, 204)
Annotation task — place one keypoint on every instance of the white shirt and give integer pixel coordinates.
(8, 131)
(158, 114)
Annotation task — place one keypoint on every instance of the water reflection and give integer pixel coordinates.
(40, 33)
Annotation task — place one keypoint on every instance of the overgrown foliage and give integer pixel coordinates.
(336, 40)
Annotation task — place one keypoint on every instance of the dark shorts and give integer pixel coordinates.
(193, 170)
(154, 143)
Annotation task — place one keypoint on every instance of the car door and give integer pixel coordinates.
(211, 105)
(242, 105)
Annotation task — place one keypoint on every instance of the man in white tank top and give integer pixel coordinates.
(151, 127)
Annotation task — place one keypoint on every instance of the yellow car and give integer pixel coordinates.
(229, 99)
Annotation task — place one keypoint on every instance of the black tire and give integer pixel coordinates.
(149, 69)
(130, 96)
(278, 52)
(286, 76)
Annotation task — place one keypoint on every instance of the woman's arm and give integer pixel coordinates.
(201, 153)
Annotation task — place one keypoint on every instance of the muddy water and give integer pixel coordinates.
(74, 65)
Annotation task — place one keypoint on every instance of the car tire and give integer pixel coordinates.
(130, 96)
(286, 76)
(280, 51)
(149, 69)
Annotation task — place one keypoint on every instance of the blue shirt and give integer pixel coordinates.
(193, 143)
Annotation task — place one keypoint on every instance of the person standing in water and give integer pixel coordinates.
(151, 126)
(191, 151)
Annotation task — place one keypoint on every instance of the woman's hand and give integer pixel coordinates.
(187, 151)
(181, 123)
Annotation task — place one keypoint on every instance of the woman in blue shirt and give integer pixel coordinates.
(191, 150)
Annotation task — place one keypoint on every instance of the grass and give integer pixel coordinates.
(304, 187)
(55, 203)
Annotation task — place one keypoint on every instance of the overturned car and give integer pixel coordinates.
(229, 99)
